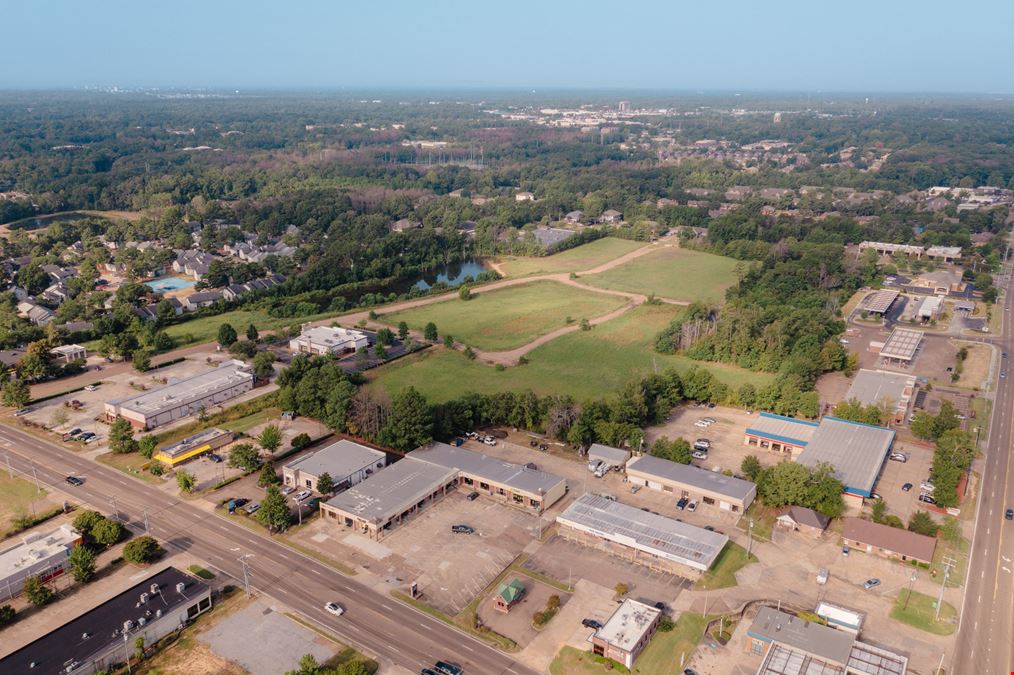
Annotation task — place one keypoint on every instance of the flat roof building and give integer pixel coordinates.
(94, 641)
(880, 301)
(642, 537)
(895, 391)
(614, 457)
(841, 618)
(901, 346)
(515, 484)
(39, 554)
(347, 464)
(856, 451)
(194, 446)
(627, 632)
(929, 307)
(321, 340)
(182, 398)
(687, 480)
(68, 353)
(790, 644)
(887, 541)
(387, 498)
(779, 433)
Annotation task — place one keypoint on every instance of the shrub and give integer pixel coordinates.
(7, 615)
(666, 624)
(37, 592)
(142, 550)
(301, 441)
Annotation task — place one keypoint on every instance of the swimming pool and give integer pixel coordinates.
(167, 284)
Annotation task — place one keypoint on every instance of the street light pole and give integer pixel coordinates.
(246, 572)
(749, 545)
(915, 575)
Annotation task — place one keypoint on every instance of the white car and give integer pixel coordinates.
(288, 490)
(692, 506)
(700, 454)
(300, 496)
(91, 387)
(334, 608)
(926, 486)
(702, 424)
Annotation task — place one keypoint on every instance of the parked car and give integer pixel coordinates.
(74, 432)
(74, 480)
(91, 439)
(334, 608)
(91, 387)
(682, 503)
(462, 529)
(692, 506)
(927, 486)
(472, 496)
(607, 496)
(1009, 514)
(845, 550)
(252, 508)
(709, 420)
(86, 435)
(287, 490)
(594, 465)
(22, 411)
(927, 498)
(898, 457)
(449, 668)
(822, 575)
(870, 583)
(702, 444)
(700, 454)
(240, 501)
(634, 488)
(301, 496)
(591, 623)
(702, 424)
(532, 466)
(874, 495)
(906, 487)
(217, 459)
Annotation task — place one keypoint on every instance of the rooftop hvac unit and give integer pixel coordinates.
(153, 589)
(141, 621)
(144, 598)
(85, 636)
(158, 613)
(179, 587)
(127, 625)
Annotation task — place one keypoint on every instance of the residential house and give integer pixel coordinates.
(574, 217)
(524, 197)
(550, 236)
(801, 519)
(193, 263)
(37, 314)
(611, 217)
(195, 301)
(405, 224)
(738, 193)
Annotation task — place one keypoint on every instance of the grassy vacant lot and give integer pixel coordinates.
(511, 317)
(585, 365)
(584, 257)
(976, 366)
(131, 463)
(723, 574)
(675, 273)
(921, 614)
(16, 497)
(663, 653)
(571, 661)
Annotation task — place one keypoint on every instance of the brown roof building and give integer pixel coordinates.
(891, 542)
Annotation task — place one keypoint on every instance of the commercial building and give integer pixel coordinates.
(513, 484)
(687, 480)
(880, 301)
(841, 618)
(39, 554)
(68, 353)
(322, 340)
(347, 464)
(645, 538)
(509, 594)
(884, 248)
(940, 282)
(96, 640)
(194, 446)
(945, 253)
(894, 391)
(887, 541)
(793, 645)
(801, 519)
(901, 346)
(929, 308)
(779, 433)
(613, 457)
(182, 398)
(627, 632)
(387, 498)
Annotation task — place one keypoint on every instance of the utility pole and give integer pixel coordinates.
(10, 469)
(36, 477)
(749, 545)
(915, 575)
(112, 504)
(146, 522)
(948, 563)
(246, 572)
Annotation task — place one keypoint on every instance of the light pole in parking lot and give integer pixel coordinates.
(749, 544)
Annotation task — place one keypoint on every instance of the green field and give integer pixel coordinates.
(511, 317)
(584, 257)
(585, 365)
(16, 498)
(675, 273)
(920, 612)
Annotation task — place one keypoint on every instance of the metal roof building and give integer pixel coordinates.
(856, 451)
(780, 433)
(882, 387)
(880, 301)
(347, 464)
(731, 494)
(614, 457)
(902, 345)
(647, 538)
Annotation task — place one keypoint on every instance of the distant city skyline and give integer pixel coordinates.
(731, 45)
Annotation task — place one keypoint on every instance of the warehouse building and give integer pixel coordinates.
(513, 484)
(320, 340)
(347, 464)
(182, 398)
(194, 446)
(95, 641)
(39, 554)
(614, 458)
(687, 480)
(386, 499)
(655, 541)
(895, 391)
(779, 433)
(627, 632)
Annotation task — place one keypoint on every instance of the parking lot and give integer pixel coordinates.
(517, 624)
(895, 474)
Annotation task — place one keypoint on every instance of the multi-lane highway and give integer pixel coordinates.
(380, 625)
(985, 641)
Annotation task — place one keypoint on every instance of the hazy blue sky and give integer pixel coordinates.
(853, 45)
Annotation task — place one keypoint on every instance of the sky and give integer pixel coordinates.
(862, 46)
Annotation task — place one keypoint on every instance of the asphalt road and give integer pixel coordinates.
(985, 641)
(379, 624)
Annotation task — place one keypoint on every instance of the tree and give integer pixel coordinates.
(385, 337)
(274, 512)
(307, 666)
(783, 484)
(185, 481)
(146, 446)
(879, 511)
(677, 450)
(953, 455)
(362, 358)
(465, 293)
(85, 521)
(141, 360)
(621, 589)
(251, 333)
(121, 437)
(244, 456)
(36, 590)
(16, 393)
(165, 312)
(585, 324)
(226, 335)
(379, 351)
(921, 522)
(325, 484)
(751, 467)
(82, 563)
(7, 615)
(430, 332)
(402, 331)
(301, 441)
(107, 532)
(409, 423)
(449, 341)
(268, 477)
(142, 550)
(263, 364)
(270, 438)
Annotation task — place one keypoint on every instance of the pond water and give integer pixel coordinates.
(452, 275)
(167, 284)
